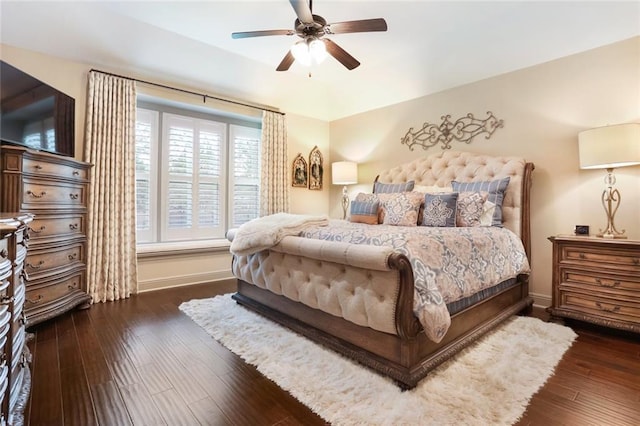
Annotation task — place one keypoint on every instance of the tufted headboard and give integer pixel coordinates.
(440, 169)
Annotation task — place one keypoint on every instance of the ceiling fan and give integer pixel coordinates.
(312, 30)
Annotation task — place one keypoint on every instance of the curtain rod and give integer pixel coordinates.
(203, 95)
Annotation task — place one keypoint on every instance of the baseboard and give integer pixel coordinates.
(183, 280)
(540, 300)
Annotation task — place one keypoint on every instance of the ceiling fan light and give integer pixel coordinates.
(318, 50)
(300, 51)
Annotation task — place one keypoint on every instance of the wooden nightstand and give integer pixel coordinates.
(597, 280)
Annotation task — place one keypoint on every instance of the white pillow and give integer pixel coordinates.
(488, 208)
(433, 189)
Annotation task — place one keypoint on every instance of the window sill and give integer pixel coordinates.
(182, 248)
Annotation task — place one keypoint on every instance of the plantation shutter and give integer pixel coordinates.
(245, 166)
(146, 187)
(194, 153)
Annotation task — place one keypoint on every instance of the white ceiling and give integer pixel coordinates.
(429, 46)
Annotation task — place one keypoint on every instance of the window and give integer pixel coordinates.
(196, 176)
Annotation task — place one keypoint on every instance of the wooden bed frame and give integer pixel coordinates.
(408, 356)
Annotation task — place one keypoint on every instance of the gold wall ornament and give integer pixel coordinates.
(299, 172)
(316, 169)
(463, 129)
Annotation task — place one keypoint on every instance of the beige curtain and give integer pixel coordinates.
(274, 178)
(111, 221)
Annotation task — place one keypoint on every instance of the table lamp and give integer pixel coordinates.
(344, 173)
(610, 147)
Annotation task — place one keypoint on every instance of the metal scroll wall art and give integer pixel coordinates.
(463, 129)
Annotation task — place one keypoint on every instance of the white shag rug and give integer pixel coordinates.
(489, 383)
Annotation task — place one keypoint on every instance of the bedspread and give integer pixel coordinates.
(448, 263)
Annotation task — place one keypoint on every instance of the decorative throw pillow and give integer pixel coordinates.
(470, 208)
(402, 209)
(387, 188)
(495, 189)
(440, 209)
(372, 198)
(364, 212)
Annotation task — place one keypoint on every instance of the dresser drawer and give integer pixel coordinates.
(601, 306)
(601, 256)
(52, 290)
(55, 227)
(52, 260)
(45, 168)
(52, 195)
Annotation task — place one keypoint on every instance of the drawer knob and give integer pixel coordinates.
(636, 261)
(34, 195)
(4, 253)
(615, 308)
(606, 284)
(37, 231)
(73, 226)
(582, 256)
(73, 256)
(36, 266)
(75, 173)
(36, 300)
(72, 286)
(37, 167)
(73, 196)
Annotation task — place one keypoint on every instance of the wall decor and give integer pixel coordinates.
(464, 129)
(316, 169)
(299, 172)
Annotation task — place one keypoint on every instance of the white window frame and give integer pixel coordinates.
(159, 236)
(243, 132)
(195, 232)
(151, 235)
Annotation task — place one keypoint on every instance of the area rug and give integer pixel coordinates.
(489, 383)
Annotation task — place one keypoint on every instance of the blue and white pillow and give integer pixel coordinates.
(388, 188)
(440, 209)
(364, 212)
(495, 189)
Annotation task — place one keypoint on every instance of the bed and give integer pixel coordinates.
(344, 287)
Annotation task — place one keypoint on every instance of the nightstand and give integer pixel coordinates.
(597, 280)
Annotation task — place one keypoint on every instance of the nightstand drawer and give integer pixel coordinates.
(600, 306)
(597, 280)
(608, 258)
(600, 281)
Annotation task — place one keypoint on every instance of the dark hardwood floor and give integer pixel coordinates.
(141, 361)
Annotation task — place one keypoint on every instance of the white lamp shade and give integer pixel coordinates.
(344, 173)
(610, 146)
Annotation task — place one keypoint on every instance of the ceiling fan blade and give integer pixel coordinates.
(286, 63)
(246, 34)
(303, 11)
(340, 54)
(362, 26)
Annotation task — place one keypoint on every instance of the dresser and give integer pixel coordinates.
(53, 188)
(597, 280)
(15, 378)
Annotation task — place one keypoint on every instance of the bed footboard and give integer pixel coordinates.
(367, 285)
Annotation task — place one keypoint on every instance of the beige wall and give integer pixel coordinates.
(543, 108)
(173, 269)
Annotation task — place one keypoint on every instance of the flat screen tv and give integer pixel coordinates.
(34, 114)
